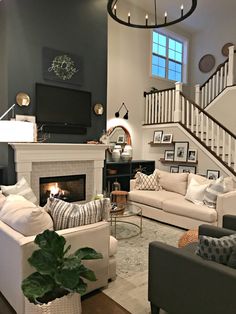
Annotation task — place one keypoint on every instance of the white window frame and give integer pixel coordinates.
(176, 37)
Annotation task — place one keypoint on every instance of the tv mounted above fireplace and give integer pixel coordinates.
(63, 110)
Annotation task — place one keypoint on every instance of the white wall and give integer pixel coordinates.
(129, 76)
(210, 41)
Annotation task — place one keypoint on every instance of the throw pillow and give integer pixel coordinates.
(216, 249)
(174, 182)
(20, 188)
(195, 192)
(232, 258)
(212, 191)
(200, 179)
(145, 182)
(24, 216)
(2, 199)
(68, 215)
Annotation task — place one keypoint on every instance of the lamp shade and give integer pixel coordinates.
(16, 131)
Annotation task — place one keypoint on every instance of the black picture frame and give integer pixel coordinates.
(174, 169)
(187, 169)
(157, 136)
(213, 174)
(181, 151)
(169, 155)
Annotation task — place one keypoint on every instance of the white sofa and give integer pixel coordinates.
(17, 248)
(167, 206)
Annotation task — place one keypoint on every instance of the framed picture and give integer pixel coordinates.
(120, 139)
(169, 155)
(192, 155)
(157, 136)
(187, 169)
(213, 174)
(181, 151)
(174, 169)
(166, 138)
(25, 118)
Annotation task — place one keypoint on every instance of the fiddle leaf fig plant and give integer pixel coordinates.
(57, 272)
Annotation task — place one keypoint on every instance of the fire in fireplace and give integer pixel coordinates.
(68, 188)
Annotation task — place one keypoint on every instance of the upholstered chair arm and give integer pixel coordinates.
(213, 231)
(132, 184)
(182, 282)
(225, 205)
(229, 221)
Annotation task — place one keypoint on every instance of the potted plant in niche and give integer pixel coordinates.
(57, 284)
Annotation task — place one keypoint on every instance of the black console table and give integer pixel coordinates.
(124, 171)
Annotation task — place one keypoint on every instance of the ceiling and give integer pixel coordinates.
(206, 10)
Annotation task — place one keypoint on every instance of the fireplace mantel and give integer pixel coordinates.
(26, 154)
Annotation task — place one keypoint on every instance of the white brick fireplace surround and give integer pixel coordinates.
(36, 160)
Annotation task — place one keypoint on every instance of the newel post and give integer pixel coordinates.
(177, 112)
(230, 77)
(197, 94)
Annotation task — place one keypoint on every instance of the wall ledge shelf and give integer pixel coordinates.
(163, 161)
(161, 144)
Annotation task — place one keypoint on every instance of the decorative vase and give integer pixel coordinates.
(129, 150)
(69, 304)
(115, 154)
(125, 156)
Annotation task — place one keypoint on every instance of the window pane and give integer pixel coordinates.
(161, 72)
(178, 77)
(172, 54)
(162, 40)
(155, 60)
(178, 57)
(154, 48)
(179, 47)
(171, 75)
(172, 44)
(154, 70)
(178, 67)
(161, 51)
(155, 37)
(172, 66)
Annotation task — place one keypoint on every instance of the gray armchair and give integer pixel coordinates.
(181, 282)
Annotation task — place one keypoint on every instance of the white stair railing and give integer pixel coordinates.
(159, 106)
(216, 137)
(217, 82)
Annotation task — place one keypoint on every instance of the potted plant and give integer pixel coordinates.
(58, 282)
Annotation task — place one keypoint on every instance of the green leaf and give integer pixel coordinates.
(82, 287)
(44, 262)
(71, 262)
(87, 253)
(36, 285)
(68, 278)
(51, 242)
(87, 273)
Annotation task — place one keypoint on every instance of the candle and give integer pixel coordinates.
(146, 19)
(165, 17)
(129, 17)
(115, 9)
(182, 10)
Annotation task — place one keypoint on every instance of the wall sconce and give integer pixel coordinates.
(22, 99)
(98, 109)
(126, 116)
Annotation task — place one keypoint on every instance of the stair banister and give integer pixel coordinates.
(230, 77)
(177, 111)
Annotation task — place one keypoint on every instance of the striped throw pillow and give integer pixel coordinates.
(212, 191)
(145, 182)
(20, 188)
(68, 215)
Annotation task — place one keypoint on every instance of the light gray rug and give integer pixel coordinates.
(130, 287)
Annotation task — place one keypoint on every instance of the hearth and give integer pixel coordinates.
(68, 188)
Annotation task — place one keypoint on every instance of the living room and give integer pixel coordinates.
(114, 67)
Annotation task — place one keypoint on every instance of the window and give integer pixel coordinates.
(167, 57)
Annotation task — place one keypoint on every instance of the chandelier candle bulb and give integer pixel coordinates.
(146, 18)
(115, 9)
(165, 17)
(129, 17)
(182, 10)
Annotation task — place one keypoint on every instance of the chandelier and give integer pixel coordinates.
(113, 7)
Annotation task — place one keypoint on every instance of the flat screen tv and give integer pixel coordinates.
(62, 106)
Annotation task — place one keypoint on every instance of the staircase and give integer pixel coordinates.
(172, 106)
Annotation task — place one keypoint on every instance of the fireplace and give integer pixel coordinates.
(67, 188)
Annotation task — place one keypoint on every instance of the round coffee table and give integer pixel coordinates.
(120, 214)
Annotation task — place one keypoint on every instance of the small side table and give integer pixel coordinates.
(119, 197)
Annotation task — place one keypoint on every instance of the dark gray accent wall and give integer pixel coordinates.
(76, 26)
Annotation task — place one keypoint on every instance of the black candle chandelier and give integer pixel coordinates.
(114, 5)
(126, 116)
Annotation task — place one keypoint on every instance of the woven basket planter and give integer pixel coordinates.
(69, 304)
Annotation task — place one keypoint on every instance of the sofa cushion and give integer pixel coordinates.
(152, 198)
(68, 215)
(216, 188)
(20, 188)
(2, 199)
(113, 246)
(185, 208)
(216, 249)
(24, 216)
(174, 182)
(199, 179)
(146, 182)
(195, 192)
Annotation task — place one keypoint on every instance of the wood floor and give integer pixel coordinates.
(94, 303)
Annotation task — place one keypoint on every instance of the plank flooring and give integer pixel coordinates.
(93, 303)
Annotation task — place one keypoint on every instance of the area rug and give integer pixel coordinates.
(130, 287)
